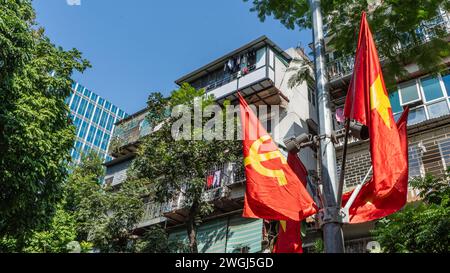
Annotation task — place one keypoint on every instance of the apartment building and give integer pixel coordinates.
(428, 97)
(94, 118)
(259, 70)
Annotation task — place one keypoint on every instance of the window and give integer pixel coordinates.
(431, 88)
(103, 119)
(90, 110)
(110, 123)
(438, 109)
(75, 101)
(77, 150)
(83, 130)
(87, 93)
(80, 88)
(91, 133)
(101, 101)
(86, 149)
(121, 114)
(409, 93)
(446, 80)
(444, 148)
(311, 95)
(105, 141)
(107, 105)
(82, 107)
(94, 97)
(260, 57)
(96, 115)
(415, 161)
(77, 122)
(395, 102)
(114, 109)
(144, 127)
(98, 138)
(416, 115)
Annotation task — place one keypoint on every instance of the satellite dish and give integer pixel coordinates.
(73, 247)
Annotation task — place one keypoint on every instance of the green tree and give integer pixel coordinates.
(84, 196)
(156, 240)
(393, 22)
(104, 216)
(36, 134)
(55, 238)
(173, 167)
(421, 227)
(122, 209)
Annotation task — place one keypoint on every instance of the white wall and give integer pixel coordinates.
(298, 109)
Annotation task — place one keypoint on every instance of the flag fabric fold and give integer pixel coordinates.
(367, 101)
(289, 238)
(273, 190)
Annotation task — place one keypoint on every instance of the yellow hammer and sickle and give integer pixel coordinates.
(255, 159)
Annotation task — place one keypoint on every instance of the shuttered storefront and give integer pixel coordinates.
(228, 234)
(244, 233)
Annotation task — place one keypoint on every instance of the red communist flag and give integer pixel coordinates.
(289, 238)
(289, 234)
(367, 102)
(273, 190)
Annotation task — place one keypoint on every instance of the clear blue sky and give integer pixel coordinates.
(139, 46)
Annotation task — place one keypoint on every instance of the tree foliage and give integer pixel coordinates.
(422, 227)
(393, 22)
(105, 216)
(156, 240)
(36, 134)
(180, 166)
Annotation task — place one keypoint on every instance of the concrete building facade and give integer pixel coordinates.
(259, 70)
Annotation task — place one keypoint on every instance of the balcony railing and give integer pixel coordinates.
(228, 78)
(343, 66)
(152, 211)
(340, 140)
(129, 131)
(227, 175)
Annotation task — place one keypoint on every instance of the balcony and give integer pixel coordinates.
(127, 133)
(341, 68)
(258, 80)
(250, 69)
(153, 214)
(225, 192)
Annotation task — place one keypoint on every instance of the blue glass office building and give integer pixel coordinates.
(94, 118)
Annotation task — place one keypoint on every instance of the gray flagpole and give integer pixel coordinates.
(331, 222)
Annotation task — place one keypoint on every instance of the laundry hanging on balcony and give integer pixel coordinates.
(214, 180)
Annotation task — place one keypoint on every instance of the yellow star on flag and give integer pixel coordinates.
(380, 101)
(283, 225)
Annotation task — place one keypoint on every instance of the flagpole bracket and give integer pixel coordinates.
(330, 215)
(345, 215)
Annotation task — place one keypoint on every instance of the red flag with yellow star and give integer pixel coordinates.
(367, 102)
(273, 190)
(289, 238)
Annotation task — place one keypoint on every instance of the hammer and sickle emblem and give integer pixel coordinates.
(255, 159)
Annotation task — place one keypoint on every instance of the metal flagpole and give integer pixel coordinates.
(354, 195)
(344, 159)
(331, 222)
